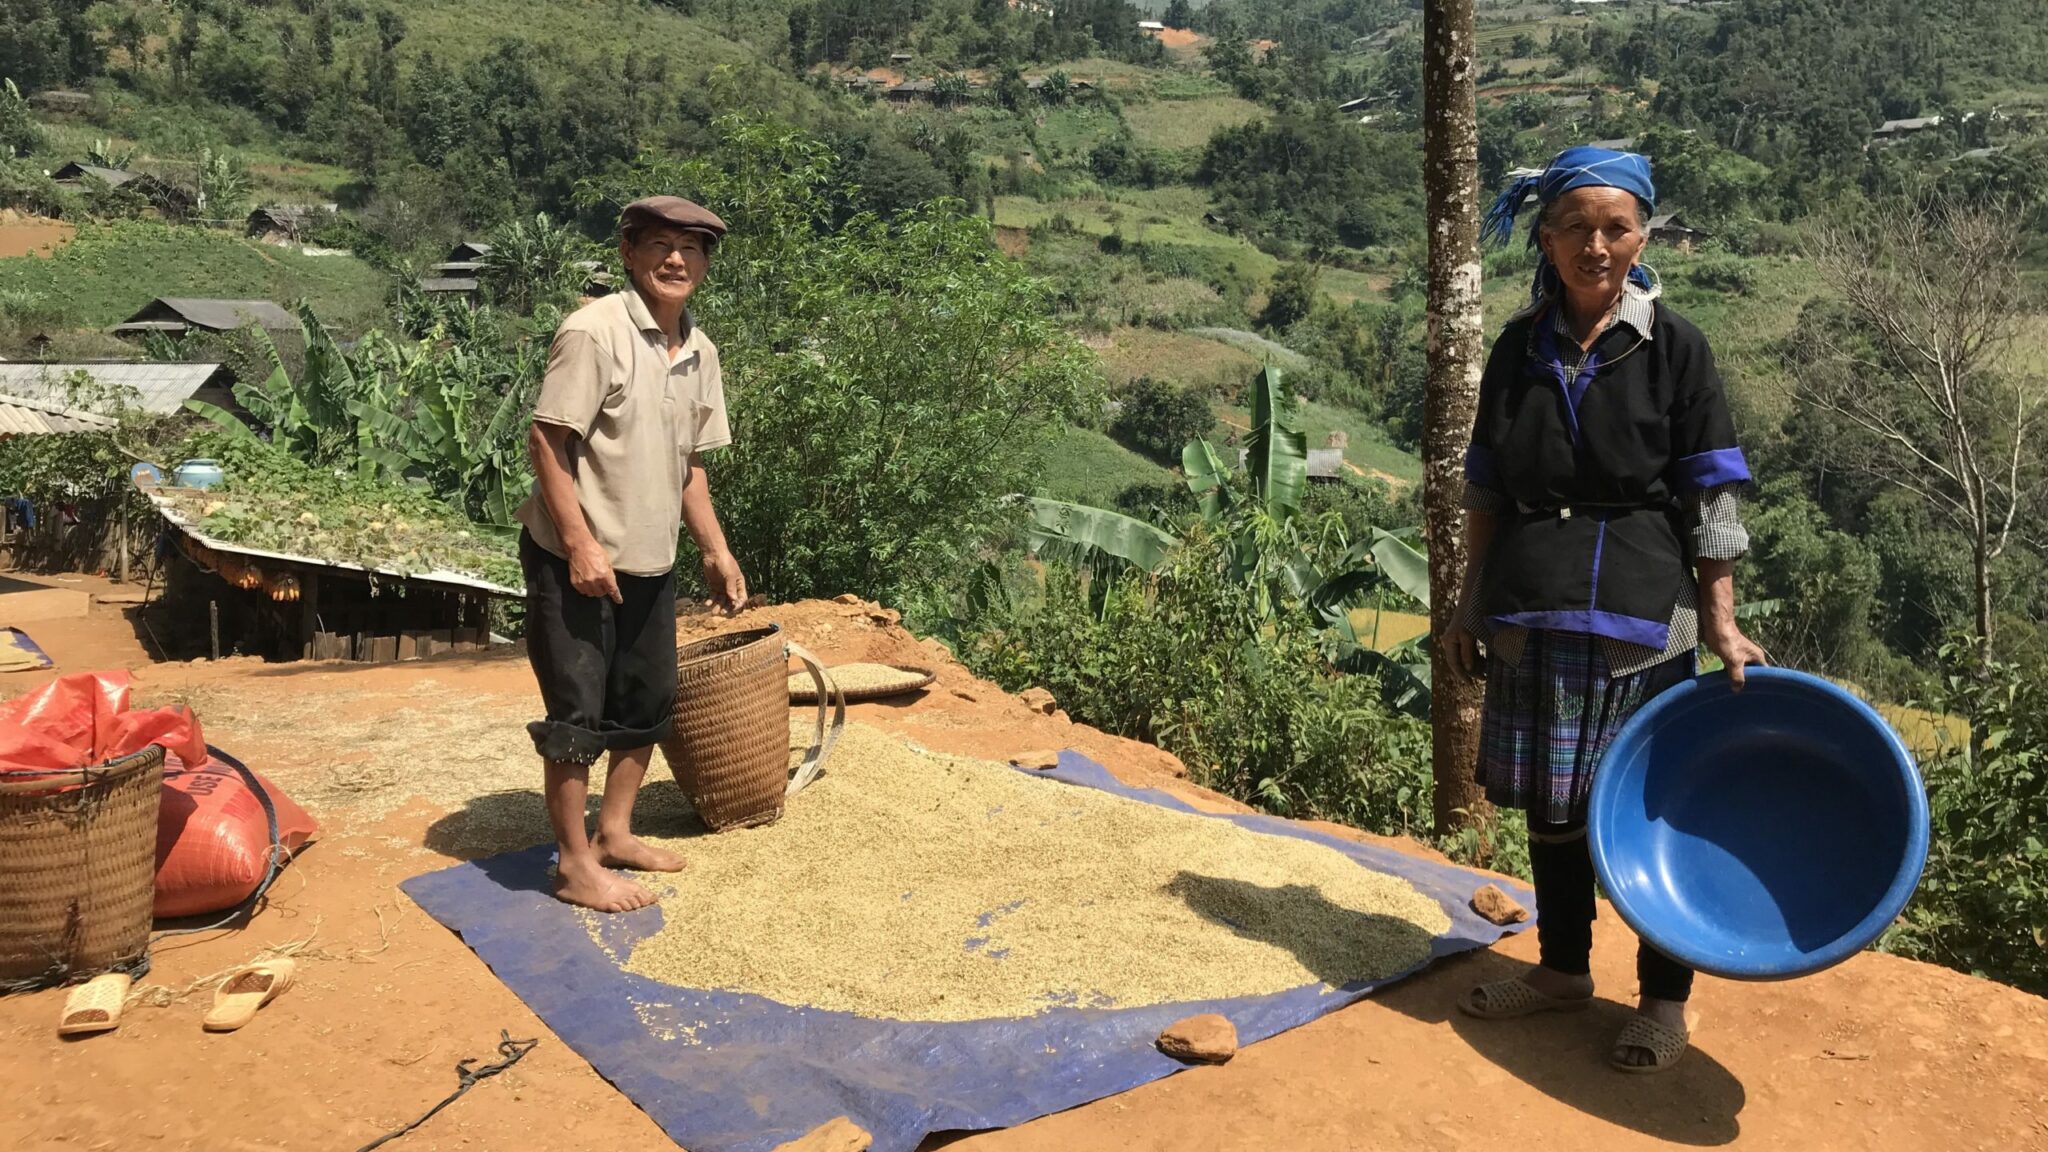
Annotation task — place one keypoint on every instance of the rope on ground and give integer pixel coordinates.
(513, 1052)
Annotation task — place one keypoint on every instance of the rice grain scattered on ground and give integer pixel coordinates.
(907, 885)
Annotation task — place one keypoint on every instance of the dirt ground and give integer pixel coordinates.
(413, 766)
(32, 235)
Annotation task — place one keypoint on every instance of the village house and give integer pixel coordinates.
(287, 223)
(1671, 228)
(21, 416)
(179, 315)
(59, 102)
(156, 387)
(161, 194)
(911, 91)
(1893, 131)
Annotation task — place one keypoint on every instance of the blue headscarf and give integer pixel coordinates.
(1581, 167)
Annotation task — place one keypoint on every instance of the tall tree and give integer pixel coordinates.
(1450, 167)
(1935, 290)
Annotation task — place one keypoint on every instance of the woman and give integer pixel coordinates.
(1602, 530)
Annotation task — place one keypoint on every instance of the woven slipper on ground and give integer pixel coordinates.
(95, 1006)
(250, 987)
(862, 682)
(1508, 999)
(1664, 1043)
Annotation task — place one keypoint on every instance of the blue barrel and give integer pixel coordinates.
(198, 474)
(1758, 835)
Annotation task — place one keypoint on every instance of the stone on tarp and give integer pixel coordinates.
(1205, 1039)
(836, 1135)
(1497, 907)
(1038, 760)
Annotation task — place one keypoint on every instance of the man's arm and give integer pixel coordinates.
(590, 570)
(722, 575)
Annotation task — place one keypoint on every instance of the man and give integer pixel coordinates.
(631, 401)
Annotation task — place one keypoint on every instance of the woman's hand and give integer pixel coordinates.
(1462, 649)
(1735, 650)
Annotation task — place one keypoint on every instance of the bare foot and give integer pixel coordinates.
(630, 851)
(590, 885)
(1670, 1013)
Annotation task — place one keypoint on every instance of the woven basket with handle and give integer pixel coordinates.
(77, 870)
(730, 750)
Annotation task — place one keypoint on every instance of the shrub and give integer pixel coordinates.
(1982, 906)
(888, 380)
(1190, 660)
(1725, 274)
(1157, 419)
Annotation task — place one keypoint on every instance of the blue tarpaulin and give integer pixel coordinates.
(729, 1072)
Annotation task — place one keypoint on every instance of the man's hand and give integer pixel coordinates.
(1735, 650)
(590, 572)
(728, 586)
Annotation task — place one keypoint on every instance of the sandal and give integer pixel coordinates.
(251, 986)
(95, 1006)
(1508, 999)
(1664, 1043)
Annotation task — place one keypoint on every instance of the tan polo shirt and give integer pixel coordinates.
(639, 416)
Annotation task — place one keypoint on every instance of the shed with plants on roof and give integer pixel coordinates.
(281, 604)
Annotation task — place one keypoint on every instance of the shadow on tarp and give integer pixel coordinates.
(730, 1072)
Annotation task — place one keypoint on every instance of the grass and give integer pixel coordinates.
(1368, 449)
(1139, 218)
(1256, 347)
(1187, 124)
(273, 176)
(460, 30)
(1074, 131)
(1181, 357)
(1382, 629)
(1174, 216)
(1087, 467)
(110, 270)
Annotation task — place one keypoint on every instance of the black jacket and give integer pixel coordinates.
(1598, 470)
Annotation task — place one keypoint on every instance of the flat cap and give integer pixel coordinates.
(672, 211)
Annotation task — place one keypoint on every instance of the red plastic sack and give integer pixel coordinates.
(212, 837)
(83, 719)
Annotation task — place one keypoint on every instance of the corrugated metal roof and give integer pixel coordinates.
(185, 524)
(114, 177)
(225, 315)
(448, 284)
(160, 387)
(23, 417)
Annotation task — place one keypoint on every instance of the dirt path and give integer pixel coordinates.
(1879, 1053)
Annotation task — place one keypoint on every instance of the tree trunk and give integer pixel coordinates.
(1450, 139)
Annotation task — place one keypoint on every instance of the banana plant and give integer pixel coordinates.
(426, 412)
(1259, 523)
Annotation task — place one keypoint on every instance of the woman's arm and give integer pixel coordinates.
(1722, 635)
(1462, 643)
(1719, 540)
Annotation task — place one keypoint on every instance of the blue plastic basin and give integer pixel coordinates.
(1758, 835)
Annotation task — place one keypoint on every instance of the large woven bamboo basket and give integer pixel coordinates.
(730, 750)
(77, 870)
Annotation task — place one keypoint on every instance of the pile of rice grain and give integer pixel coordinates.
(862, 680)
(906, 885)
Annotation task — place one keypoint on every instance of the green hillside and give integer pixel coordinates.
(110, 270)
